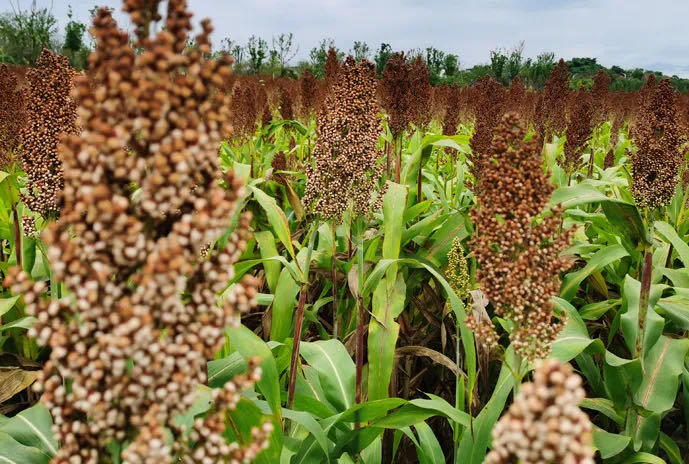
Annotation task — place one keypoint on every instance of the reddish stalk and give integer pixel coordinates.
(398, 160)
(295, 346)
(17, 235)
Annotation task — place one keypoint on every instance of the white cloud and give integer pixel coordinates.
(629, 33)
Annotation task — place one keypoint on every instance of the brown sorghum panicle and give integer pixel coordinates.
(419, 92)
(516, 96)
(599, 97)
(545, 423)
(245, 109)
(332, 68)
(286, 103)
(656, 163)
(556, 93)
(489, 108)
(394, 91)
(519, 262)
(579, 126)
(12, 114)
(51, 111)
(452, 111)
(346, 167)
(309, 92)
(142, 316)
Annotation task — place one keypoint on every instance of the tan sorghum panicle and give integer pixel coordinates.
(142, 316)
(345, 157)
(579, 126)
(12, 115)
(519, 262)
(50, 112)
(545, 425)
(457, 272)
(656, 163)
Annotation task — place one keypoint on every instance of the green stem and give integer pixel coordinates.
(295, 346)
(360, 320)
(336, 316)
(643, 299)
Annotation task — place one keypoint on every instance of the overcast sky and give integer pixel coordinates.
(629, 33)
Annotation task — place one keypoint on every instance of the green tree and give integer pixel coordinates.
(283, 51)
(74, 47)
(360, 50)
(381, 57)
(434, 60)
(319, 54)
(24, 34)
(450, 65)
(257, 48)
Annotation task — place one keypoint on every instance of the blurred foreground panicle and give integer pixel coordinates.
(142, 317)
(544, 425)
(12, 115)
(346, 154)
(50, 112)
(655, 165)
(518, 258)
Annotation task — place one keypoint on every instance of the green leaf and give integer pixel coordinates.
(248, 344)
(604, 406)
(629, 321)
(276, 218)
(575, 195)
(33, 428)
(602, 258)
(646, 458)
(669, 233)
(574, 338)
(432, 452)
(7, 303)
(662, 366)
(202, 403)
(13, 452)
(393, 211)
(335, 368)
(220, 371)
(266, 244)
(610, 444)
(246, 416)
(626, 219)
(283, 307)
(387, 304)
(671, 449)
(22, 323)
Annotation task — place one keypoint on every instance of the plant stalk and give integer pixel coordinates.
(398, 159)
(360, 320)
(336, 316)
(295, 346)
(643, 299)
(17, 235)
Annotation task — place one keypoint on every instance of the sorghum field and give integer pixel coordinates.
(203, 266)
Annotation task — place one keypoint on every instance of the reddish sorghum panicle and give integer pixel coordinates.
(518, 257)
(656, 163)
(555, 97)
(489, 107)
(12, 115)
(545, 425)
(394, 92)
(579, 127)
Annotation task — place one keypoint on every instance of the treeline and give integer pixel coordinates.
(24, 33)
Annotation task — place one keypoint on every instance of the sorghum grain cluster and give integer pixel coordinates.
(579, 126)
(519, 262)
(142, 315)
(544, 425)
(51, 111)
(346, 167)
(12, 115)
(655, 165)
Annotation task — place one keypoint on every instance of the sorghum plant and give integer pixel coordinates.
(131, 338)
(655, 166)
(51, 111)
(452, 111)
(489, 107)
(518, 257)
(544, 425)
(309, 92)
